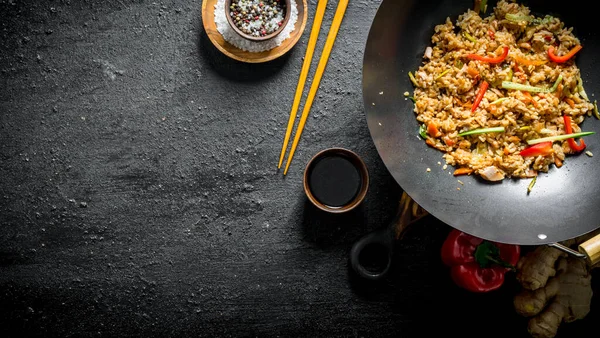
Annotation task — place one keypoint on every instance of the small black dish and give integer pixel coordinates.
(336, 180)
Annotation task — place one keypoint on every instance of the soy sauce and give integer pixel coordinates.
(334, 180)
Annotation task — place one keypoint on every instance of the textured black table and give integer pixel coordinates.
(139, 194)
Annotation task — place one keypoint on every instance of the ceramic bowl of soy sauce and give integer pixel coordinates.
(336, 180)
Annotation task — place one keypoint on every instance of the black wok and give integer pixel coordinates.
(565, 202)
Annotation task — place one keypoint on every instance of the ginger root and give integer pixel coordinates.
(564, 298)
(556, 289)
(534, 270)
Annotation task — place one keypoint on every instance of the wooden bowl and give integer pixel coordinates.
(286, 18)
(210, 28)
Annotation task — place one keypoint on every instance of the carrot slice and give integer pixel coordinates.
(472, 72)
(514, 139)
(559, 90)
(430, 142)
(557, 162)
(530, 99)
(527, 62)
(570, 102)
(433, 130)
(449, 142)
(462, 171)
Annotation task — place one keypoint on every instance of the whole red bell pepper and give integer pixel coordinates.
(478, 265)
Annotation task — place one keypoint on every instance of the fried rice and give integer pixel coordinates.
(448, 82)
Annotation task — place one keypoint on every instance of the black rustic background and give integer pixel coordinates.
(139, 194)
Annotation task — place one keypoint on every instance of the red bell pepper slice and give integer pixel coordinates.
(496, 59)
(543, 149)
(482, 89)
(478, 265)
(564, 58)
(569, 130)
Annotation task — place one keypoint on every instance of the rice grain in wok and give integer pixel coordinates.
(496, 72)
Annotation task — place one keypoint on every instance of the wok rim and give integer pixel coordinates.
(381, 139)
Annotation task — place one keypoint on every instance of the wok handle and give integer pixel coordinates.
(380, 242)
(567, 250)
(591, 248)
(376, 247)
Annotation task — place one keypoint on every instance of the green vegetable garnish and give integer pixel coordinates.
(412, 99)
(483, 6)
(560, 137)
(442, 74)
(423, 131)
(482, 131)
(527, 88)
(412, 79)
(528, 18)
(518, 18)
(524, 128)
(510, 75)
(499, 100)
(531, 184)
(545, 20)
(481, 148)
(581, 90)
(480, 6)
(469, 37)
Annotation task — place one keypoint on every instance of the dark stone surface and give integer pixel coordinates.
(139, 194)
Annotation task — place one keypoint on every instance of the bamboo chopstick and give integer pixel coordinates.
(335, 27)
(312, 42)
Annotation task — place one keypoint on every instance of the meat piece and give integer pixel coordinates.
(492, 173)
(428, 52)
